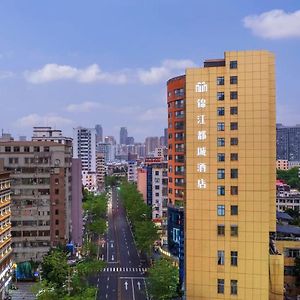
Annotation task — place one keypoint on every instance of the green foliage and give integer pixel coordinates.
(95, 205)
(90, 249)
(98, 226)
(111, 180)
(86, 294)
(55, 268)
(139, 214)
(291, 177)
(145, 235)
(89, 266)
(163, 280)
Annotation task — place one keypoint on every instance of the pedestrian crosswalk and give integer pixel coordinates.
(124, 269)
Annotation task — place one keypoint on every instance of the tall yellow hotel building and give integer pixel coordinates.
(230, 179)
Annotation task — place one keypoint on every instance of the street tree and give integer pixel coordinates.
(55, 268)
(163, 280)
(145, 236)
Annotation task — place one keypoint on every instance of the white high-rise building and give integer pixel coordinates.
(84, 147)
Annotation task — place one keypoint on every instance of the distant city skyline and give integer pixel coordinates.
(96, 73)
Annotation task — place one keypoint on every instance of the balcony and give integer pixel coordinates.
(179, 173)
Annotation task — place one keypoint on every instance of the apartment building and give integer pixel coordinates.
(159, 185)
(41, 196)
(84, 147)
(230, 179)
(132, 171)
(5, 232)
(100, 170)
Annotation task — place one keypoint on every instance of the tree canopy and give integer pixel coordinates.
(163, 280)
(291, 177)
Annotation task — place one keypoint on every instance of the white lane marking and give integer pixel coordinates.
(107, 278)
(112, 258)
(128, 252)
(126, 285)
(139, 285)
(133, 293)
(98, 279)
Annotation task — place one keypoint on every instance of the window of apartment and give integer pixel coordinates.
(234, 210)
(234, 126)
(157, 187)
(170, 135)
(220, 80)
(234, 190)
(221, 210)
(56, 232)
(7, 149)
(56, 212)
(220, 142)
(36, 149)
(234, 258)
(234, 230)
(179, 92)
(233, 110)
(220, 96)
(220, 111)
(233, 287)
(220, 126)
(179, 114)
(179, 103)
(233, 64)
(221, 174)
(169, 94)
(16, 149)
(56, 191)
(234, 141)
(234, 156)
(26, 149)
(156, 172)
(221, 230)
(233, 79)
(234, 173)
(221, 257)
(46, 149)
(220, 157)
(233, 95)
(56, 222)
(220, 287)
(221, 190)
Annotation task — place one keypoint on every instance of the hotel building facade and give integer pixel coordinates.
(230, 202)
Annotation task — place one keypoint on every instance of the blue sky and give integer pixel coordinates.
(70, 63)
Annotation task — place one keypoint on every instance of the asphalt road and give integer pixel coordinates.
(124, 276)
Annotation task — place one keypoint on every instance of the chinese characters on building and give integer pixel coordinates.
(201, 87)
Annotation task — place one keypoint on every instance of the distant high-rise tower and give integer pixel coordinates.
(288, 142)
(84, 144)
(123, 136)
(99, 133)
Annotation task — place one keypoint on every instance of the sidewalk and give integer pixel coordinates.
(23, 292)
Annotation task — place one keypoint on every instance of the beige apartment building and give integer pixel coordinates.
(230, 179)
(41, 195)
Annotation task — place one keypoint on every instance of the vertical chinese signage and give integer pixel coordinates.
(201, 87)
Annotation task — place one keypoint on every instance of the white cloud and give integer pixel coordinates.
(93, 73)
(46, 120)
(152, 114)
(163, 72)
(83, 107)
(274, 24)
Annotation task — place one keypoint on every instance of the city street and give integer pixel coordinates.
(124, 276)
